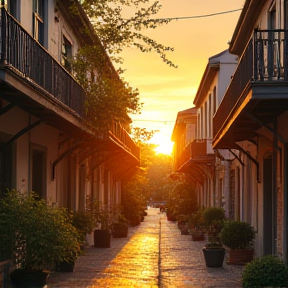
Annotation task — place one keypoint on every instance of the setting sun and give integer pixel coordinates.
(164, 143)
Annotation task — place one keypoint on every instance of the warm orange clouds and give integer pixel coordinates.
(165, 90)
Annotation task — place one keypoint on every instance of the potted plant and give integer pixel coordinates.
(268, 271)
(214, 254)
(213, 218)
(36, 236)
(84, 223)
(213, 251)
(120, 228)
(238, 237)
(102, 235)
(182, 223)
(196, 223)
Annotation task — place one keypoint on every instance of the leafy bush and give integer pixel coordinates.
(196, 219)
(83, 221)
(266, 271)
(213, 214)
(35, 235)
(237, 235)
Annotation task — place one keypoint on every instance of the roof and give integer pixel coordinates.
(209, 74)
(245, 25)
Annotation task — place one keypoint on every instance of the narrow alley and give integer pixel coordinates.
(154, 254)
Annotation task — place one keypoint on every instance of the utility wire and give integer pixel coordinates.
(199, 16)
(150, 120)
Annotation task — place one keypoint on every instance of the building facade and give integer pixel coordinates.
(251, 119)
(196, 158)
(46, 144)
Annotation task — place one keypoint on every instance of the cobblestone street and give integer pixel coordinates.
(154, 254)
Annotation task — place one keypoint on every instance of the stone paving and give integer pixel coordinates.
(154, 254)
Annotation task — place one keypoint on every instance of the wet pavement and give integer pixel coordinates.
(154, 254)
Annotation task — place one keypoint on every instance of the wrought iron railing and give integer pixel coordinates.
(265, 59)
(270, 55)
(22, 53)
(122, 135)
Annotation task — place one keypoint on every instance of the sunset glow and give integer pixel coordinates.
(165, 90)
(165, 145)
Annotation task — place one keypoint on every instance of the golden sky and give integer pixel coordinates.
(165, 90)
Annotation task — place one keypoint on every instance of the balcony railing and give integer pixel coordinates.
(194, 150)
(122, 135)
(265, 59)
(24, 54)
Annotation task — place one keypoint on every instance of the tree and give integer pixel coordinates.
(118, 30)
(108, 96)
(183, 199)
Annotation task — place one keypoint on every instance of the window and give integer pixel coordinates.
(38, 171)
(66, 53)
(214, 100)
(13, 8)
(38, 20)
(205, 120)
(209, 116)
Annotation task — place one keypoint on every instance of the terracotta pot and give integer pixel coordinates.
(240, 257)
(198, 236)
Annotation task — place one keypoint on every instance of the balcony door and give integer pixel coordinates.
(6, 162)
(268, 213)
(39, 20)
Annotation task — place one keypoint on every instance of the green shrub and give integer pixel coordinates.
(35, 235)
(266, 271)
(213, 214)
(237, 235)
(83, 221)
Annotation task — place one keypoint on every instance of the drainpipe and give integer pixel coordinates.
(274, 190)
(226, 186)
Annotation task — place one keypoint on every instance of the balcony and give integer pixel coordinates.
(257, 93)
(196, 153)
(33, 80)
(119, 136)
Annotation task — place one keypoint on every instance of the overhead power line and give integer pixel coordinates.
(199, 16)
(150, 120)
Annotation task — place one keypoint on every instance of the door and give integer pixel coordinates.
(39, 172)
(268, 206)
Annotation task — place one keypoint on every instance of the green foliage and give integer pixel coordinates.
(108, 97)
(141, 135)
(118, 30)
(132, 204)
(84, 222)
(35, 235)
(268, 271)
(213, 245)
(213, 214)
(183, 199)
(196, 218)
(237, 235)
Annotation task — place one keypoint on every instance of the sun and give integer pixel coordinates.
(164, 144)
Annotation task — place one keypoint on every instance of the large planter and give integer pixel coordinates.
(214, 257)
(197, 235)
(26, 279)
(120, 230)
(65, 266)
(102, 238)
(240, 257)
